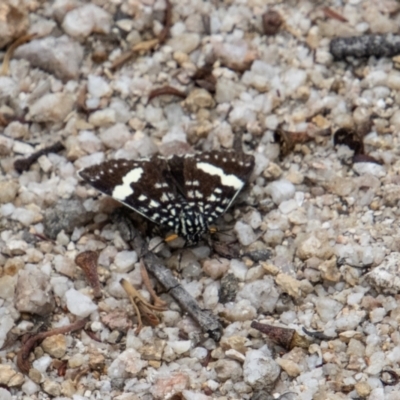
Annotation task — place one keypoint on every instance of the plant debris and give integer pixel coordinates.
(88, 262)
(23, 362)
(23, 164)
(166, 90)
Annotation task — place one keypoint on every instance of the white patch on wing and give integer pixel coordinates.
(227, 180)
(164, 198)
(121, 192)
(154, 204)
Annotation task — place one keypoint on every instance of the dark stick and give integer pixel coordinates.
(23, 164)
(365, 46)
(207, 321)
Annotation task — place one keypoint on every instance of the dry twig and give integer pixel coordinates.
(23, 362)
(23, 164)
(141, 306)
(5, 68)
(88, 262)
(166, 90)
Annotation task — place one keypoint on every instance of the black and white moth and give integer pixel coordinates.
(183, 193)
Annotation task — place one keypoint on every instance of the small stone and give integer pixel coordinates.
(61, 56)
(41, 364)
(273, 236)
(68, 388)
(118, 320)
(262, 294)
(8, 191)
(253, 218)
(197, 99)
(260, 371)
(215, 268)
(289, 285)
(235, 55)
(76, 361)
(30, 387)
(298, 217)
(7, 287)
(64, 265)
(116, 136)
(280, 190)
(238, 269)
(33, 293)
(79, 304)
(180, 346)
(52, 107)
(226, 90)
(55, 345)
(309, 248)
(65, 215)
(245, 233)
(363, 168)
(15, 247)
(5, 394)
(242, 310)
(10, 377)
(89, 141)
(82, 21)
(290, 367)
(22, 148)
(167, 384)
(8, 88)
(329, 270)
(185, 42)
(96, 360)
(377, 315)
(51, 387)
(104, 117)
(98, 87)
(128, 364)
(235, 355)
(153, 351)
(235, 342)
(363, 389)
(6, 145)
(13, 265)
(16, 130)
(327, 308)
(228, 369)
(36, 375)
(25, 216)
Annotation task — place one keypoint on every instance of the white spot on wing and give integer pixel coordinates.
(164, 198)
(226, 180)
(154, 204)
(121, 192)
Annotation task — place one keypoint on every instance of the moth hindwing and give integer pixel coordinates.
(184, 193)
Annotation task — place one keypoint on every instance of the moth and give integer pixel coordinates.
(185, 194)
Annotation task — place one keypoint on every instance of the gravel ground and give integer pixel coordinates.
(317, 228)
